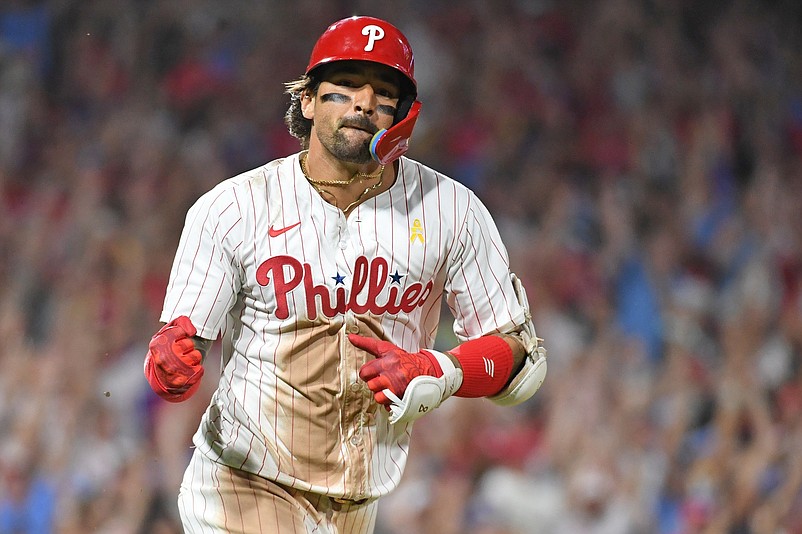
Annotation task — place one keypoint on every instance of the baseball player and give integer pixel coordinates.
(323, 273)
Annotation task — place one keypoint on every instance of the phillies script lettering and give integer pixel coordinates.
(367, 283)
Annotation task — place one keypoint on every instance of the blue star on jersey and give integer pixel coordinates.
(396, 278)
(338, 279)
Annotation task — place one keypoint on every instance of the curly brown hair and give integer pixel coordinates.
(299, 126)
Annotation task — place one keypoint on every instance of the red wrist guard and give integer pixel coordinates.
(486, 366)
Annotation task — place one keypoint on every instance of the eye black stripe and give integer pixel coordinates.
(335, 97)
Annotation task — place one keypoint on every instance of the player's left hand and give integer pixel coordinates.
(408, 384)
(394, 368)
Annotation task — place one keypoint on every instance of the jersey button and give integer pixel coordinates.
(356, 440)
(353, 328)
(343, 245)
(355, 387)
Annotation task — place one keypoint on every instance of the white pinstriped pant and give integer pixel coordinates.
(215, 498)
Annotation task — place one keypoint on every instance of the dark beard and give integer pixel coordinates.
(344, 149)
(347, 151)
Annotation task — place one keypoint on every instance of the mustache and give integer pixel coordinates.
(359, 121)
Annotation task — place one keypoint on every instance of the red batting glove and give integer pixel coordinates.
(394, 368)
(173, 366)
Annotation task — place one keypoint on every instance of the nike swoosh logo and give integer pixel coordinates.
(275, 232)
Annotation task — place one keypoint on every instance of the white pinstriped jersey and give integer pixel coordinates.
(285, 276)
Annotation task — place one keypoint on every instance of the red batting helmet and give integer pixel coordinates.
(378, 41)
(365, 39)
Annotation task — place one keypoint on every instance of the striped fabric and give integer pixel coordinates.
(284, 276)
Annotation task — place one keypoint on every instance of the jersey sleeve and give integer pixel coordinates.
(205, 279)
(479, 287)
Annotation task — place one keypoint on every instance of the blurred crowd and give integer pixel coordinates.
(643, 160)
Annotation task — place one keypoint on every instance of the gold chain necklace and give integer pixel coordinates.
(361, 175)
(318, 183)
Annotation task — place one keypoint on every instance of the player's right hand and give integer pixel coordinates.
(173, 365)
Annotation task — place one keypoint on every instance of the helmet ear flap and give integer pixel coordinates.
(402, 110)
(389, 145)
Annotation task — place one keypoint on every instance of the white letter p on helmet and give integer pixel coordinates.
(373, 33)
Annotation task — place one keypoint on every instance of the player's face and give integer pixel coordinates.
(353, 102)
